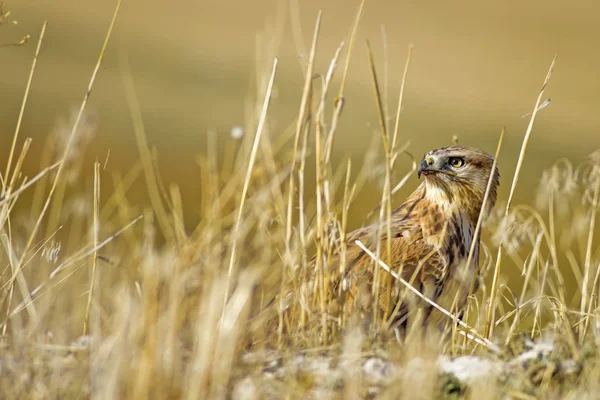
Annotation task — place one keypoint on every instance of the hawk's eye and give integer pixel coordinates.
(456, 162)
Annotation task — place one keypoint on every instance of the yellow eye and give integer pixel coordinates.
(456, 162)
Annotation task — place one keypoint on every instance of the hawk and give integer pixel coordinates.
(431, 235)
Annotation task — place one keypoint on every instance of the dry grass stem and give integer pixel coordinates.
(491, 311)
(96, 229)
(251, 161)
(6, 190)
(470, 332)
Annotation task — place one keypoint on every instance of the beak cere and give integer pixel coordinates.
(425, 167)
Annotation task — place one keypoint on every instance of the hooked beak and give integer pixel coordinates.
(426, 167)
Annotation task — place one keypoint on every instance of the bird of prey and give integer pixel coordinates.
(431, 235)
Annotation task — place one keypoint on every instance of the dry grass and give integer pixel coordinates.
(105, 299)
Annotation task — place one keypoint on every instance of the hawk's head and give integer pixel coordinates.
(457, 176)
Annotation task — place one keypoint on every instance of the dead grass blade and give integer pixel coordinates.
(6, 190)
(470, 332)
(238, 221)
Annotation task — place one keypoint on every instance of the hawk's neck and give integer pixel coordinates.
(453, 203)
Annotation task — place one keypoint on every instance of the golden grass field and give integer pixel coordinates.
(148, 252)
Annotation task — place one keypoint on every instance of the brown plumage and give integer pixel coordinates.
(431, 235)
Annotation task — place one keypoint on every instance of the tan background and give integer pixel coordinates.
(477, 66)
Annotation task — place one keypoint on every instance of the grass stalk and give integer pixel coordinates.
(491, 311)
(470, 332)
(302, 125)
(588, 261)
(96, 229)
(251, 161)
(6, 190)
(386, 200)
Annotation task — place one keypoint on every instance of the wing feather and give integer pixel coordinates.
(414, 257)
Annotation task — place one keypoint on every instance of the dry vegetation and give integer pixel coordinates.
(101, 298)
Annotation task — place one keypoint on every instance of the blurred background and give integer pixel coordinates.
(476, 67)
